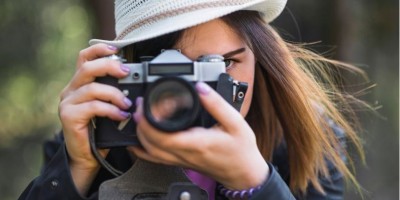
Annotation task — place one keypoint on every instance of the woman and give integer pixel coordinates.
(289, 132)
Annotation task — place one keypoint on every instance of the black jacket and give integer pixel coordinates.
(55, 180)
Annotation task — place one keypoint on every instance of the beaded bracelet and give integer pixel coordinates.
(234, 194)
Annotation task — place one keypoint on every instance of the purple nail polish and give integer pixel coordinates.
(125, 68)
(125, 114)
(127, 102)
(112, 48)
(203, 88)
(139, 101)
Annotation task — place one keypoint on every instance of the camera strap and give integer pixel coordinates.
(96, 153)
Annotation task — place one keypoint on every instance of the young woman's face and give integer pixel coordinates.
(216, 37)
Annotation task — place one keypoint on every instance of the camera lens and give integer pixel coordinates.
(171, 104)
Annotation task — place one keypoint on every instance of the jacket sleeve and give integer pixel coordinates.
(274, 188)
(55, 181)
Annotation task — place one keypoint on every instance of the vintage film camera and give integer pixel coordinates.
(171, 102)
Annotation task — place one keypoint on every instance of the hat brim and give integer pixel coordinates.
(270, 9)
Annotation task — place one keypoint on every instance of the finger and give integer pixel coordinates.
(84, 112)
(171, 142)
(138, 115)
(94, 52)
(151, 147)
(98, 68)
(152, 135)
(150, 138)
(154, 152)
(98, 91)
(221, 110)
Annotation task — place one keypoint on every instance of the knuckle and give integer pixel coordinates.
(82, 54)
(62, 94)
(91, 88)
(84, 69)
(63, 113)
(65, 92)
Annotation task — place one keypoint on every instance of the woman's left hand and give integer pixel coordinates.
(226, 152)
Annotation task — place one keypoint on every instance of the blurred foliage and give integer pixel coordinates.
(40, 41)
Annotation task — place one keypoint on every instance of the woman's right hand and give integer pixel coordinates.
(81, 100)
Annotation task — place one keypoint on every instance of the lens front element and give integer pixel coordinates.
(171, 104)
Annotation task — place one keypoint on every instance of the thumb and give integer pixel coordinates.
(221, 110)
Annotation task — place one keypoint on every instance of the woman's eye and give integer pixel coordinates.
(228, 63)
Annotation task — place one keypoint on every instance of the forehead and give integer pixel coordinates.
(214, 37)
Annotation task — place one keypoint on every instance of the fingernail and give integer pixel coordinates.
(203, 88)
(125, 68)
(136, 117)
(127, 102)
(112, 48)
(139, 101)
(124, 114)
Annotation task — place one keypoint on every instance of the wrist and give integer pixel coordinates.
(82, 174)
(247, 193)
(251, 176)
(84, 165)
(83, 177)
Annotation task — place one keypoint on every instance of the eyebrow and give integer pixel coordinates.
(234, 52)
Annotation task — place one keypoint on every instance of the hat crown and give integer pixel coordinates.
(138, 20)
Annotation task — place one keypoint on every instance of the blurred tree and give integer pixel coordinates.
(39, 44)
(365, 33)
(104, 15)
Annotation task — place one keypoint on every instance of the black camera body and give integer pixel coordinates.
(170, 101)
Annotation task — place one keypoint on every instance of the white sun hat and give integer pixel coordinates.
(138, 20)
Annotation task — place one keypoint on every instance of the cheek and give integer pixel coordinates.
(245, 74)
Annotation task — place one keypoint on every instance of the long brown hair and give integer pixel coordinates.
(291, 103)
(289, 100)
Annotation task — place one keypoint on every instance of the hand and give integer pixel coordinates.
(81, 100)
(226, 152)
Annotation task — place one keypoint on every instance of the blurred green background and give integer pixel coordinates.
(40, 40)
